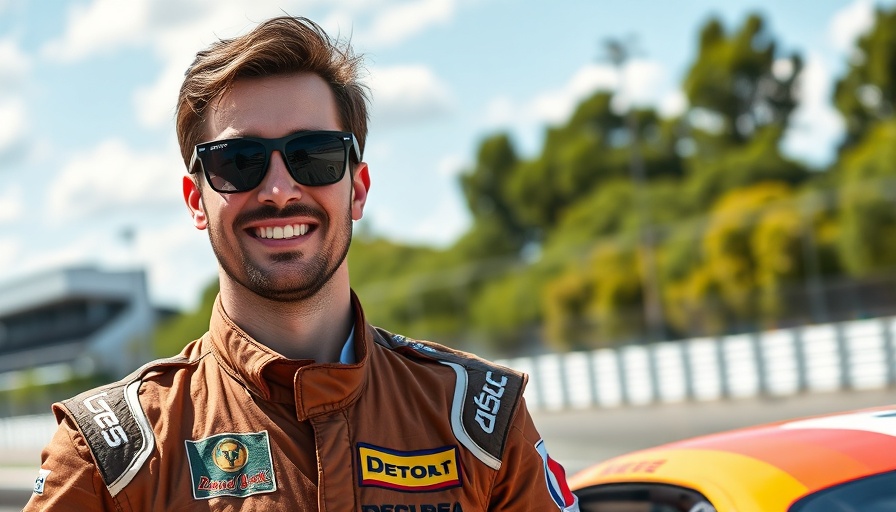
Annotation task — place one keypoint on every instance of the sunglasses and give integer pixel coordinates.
(313, 158)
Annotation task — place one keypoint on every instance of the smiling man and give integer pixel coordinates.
(292, 400)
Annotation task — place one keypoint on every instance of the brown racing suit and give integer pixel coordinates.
(231, 425)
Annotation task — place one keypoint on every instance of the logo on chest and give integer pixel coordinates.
(231, 465)
(414, 471)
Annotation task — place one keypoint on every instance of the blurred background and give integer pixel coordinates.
(549, 179)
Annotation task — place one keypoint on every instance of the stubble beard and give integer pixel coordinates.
(309, 274)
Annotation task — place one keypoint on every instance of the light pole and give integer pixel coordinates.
(618, 53)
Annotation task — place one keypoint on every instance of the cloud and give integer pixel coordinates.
(175, 31)
(12, 205)
(14, 126)
(407, 95)
(673, 104)
(10, 253)
(556, 106)
(398, 23)
(643, 82)
(179, 262)
(849, 23)
(155, 104)
(14, 64)
(97, 27)
(452, 165)
(438, 225)
(114, 177)
(815, 127)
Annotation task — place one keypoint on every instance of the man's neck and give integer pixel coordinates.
(315, 328)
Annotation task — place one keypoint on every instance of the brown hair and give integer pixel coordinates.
(277, 46)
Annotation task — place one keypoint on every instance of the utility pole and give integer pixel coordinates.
(619, 52)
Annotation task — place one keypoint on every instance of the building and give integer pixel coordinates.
(74, 322)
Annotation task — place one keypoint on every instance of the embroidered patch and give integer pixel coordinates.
(415, 471)
(231, 465)
(555, 478)
(41, 481)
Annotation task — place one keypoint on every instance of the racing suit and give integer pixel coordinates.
(230, 424)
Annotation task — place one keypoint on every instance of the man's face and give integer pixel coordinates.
(250, 231)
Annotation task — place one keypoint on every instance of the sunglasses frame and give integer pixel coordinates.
(271, 145)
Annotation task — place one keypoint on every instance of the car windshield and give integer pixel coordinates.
(875, 493)
(641, 497)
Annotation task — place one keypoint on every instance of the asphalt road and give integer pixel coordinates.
(580, 438)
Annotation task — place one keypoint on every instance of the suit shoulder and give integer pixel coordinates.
(486, 395)
(114, 424)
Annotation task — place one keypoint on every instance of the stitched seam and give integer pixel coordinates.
(321, 484)
(351, 449)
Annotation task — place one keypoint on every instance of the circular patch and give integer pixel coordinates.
(230, 455)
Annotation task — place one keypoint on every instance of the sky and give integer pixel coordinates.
(90, 168)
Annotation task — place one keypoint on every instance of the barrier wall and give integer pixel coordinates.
(845, 356)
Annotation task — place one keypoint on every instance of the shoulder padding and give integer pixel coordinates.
(486, 396)
(114, 425)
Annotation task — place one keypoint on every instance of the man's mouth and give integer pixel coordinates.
(282, 232)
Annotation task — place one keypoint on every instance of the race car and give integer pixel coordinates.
(834, 463)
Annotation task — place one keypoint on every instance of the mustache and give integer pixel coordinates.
(268, 212)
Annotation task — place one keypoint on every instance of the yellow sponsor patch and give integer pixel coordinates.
(416, 471)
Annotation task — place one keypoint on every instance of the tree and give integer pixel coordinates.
(738, 85)
(592, 149)
(867, 93)
(741, 95)
(496, 229)
(868, 202)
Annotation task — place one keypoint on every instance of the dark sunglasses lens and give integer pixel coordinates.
(317, 159)
(238, 167)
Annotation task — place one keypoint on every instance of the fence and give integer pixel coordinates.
(831, 357)
(844, 356)
(26, 432)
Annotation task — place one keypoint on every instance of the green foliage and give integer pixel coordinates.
(741, 166)
(866, 94)
(488, 198)
(740, 84)
(171, 336)
(31, 397)
(591, 150)
(868, 205)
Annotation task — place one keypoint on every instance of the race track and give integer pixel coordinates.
(579, 438)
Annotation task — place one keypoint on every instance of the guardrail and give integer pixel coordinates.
(24, 433)
(853, 355)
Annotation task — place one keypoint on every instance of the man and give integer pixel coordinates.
(291, 400)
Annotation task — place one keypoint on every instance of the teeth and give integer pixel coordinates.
(281, 232)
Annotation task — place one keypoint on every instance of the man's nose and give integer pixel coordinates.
(278, 187)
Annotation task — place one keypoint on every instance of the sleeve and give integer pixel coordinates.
(529, 479)
(68, 479)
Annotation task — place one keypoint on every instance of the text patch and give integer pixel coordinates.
(231, 465)
(415, 471)
(433, 507)
(41, 481)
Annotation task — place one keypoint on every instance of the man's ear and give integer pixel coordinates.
(193, 198)
(360, 187)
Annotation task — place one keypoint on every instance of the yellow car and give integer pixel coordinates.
(834, 463)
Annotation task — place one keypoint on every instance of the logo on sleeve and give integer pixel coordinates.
(231, 465)
(41, 481)
(489, 401)
(555, 478)
(415, 471)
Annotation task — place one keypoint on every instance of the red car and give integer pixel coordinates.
(834, 463)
